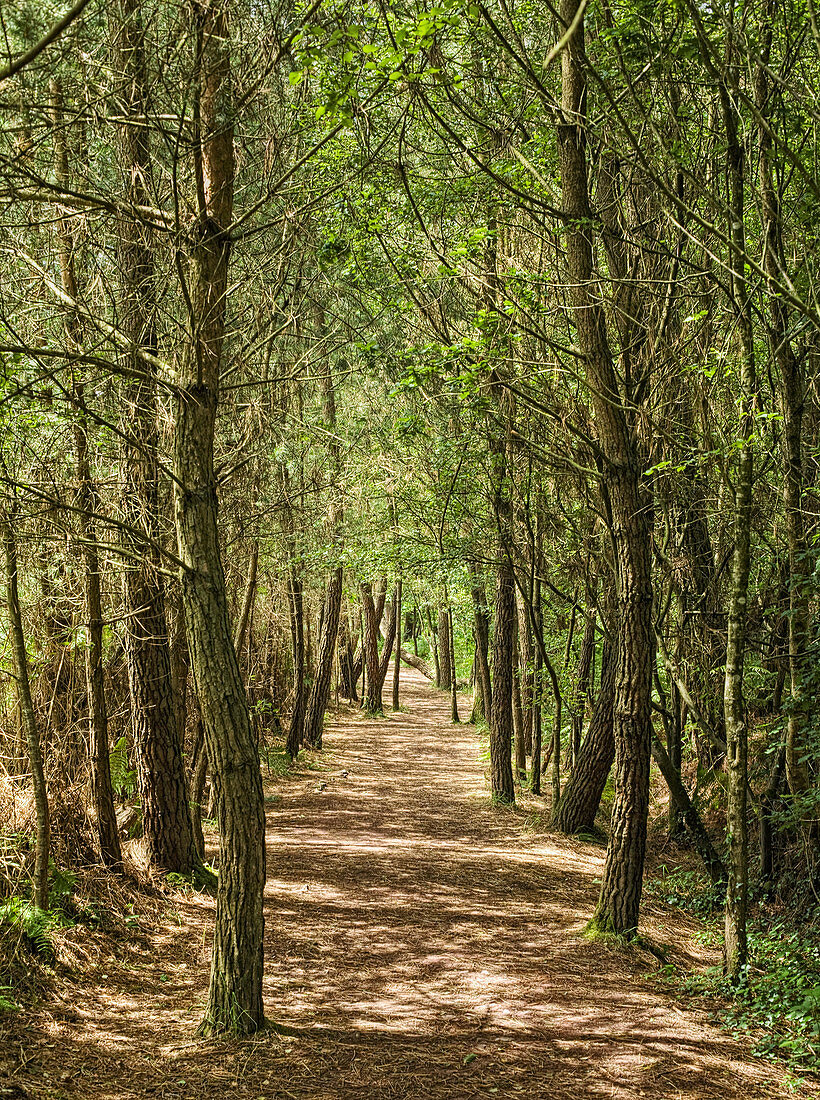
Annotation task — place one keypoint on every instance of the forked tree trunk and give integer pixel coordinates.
(235, 993)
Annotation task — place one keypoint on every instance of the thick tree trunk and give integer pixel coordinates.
(163, 793)
(235, 993)
(618, 905)
(372, 700)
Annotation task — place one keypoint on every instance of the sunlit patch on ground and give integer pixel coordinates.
(420, 943)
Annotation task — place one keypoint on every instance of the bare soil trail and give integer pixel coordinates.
(420, 943)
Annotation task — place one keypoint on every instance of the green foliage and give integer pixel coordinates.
(123, 776)
(36, 926)
(688, 889)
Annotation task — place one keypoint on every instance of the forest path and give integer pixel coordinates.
(420, 943)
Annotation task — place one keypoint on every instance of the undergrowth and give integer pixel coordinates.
(778, 1006)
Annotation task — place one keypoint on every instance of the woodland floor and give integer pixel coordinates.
(420, 943)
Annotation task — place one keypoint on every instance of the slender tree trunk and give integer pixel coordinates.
(792, 400)
(397, 655)
(296, 730)
(453, 681)
(320, 691)
(482, 636)
(102, 794)
(235, 993)
(244, 619)
(697, 830)
(331, 614)
(27, 714)
(501, 719)
(526, 682)
(445, 672)
(736, 949)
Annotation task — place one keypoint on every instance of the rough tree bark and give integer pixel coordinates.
(235, 993)
(618, 905)
(163, 793)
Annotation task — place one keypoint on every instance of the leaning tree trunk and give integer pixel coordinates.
(29, 719)
(163, 792)
(619, 901)
(235, 993)
(576, 811)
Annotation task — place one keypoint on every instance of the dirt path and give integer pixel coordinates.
(420, 943)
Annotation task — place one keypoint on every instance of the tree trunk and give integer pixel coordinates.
(372, 700)
(320, 691)
(397, 654)
(501, 719)
(697, 830)
(235, 993)
(618, 905)
(481, 630)
(296, 730)
(453, 680)
(581, 798)
(27, 715)
(108, 839)
(736, 949)
(162, 788)
(445, 672)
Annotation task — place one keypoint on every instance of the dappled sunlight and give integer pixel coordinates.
(420, 942)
